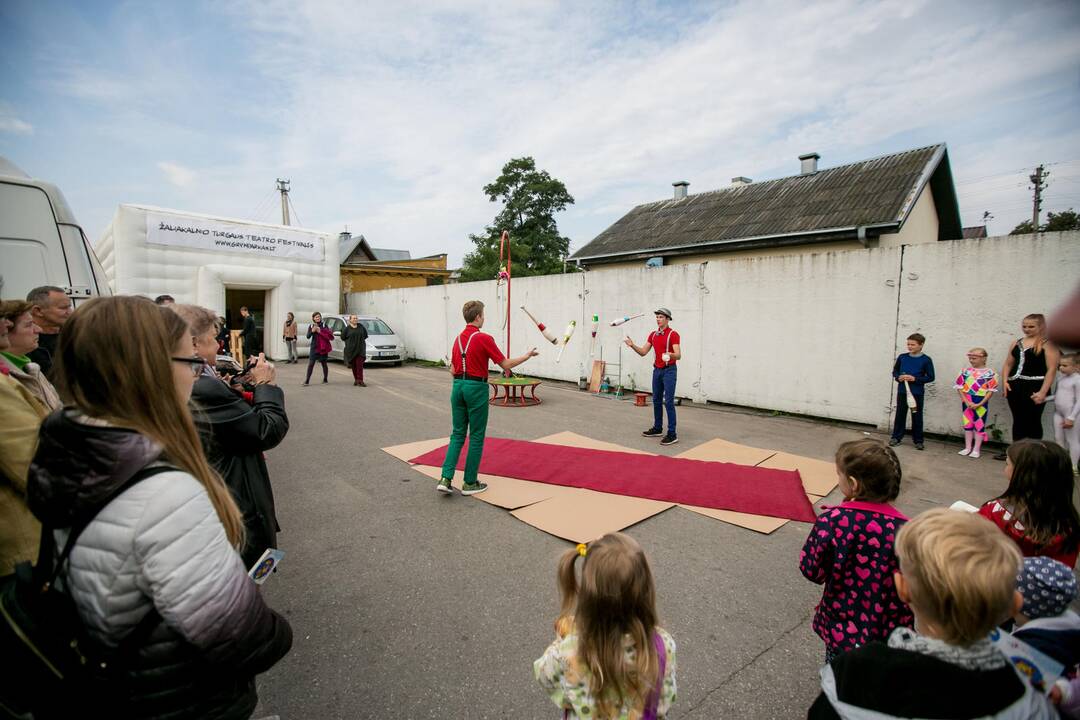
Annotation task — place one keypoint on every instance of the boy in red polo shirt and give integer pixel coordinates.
(469, 358)
(664, 342)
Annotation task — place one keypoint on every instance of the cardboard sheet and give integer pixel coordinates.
(508, 493)
(596, 376)
(575, 440)
(504, 492)
(818, 476)
(411, 450)
(720, 450)
(758, 523)
(582, 516)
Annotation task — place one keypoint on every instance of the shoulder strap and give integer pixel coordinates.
(87, 517)
(653, 701)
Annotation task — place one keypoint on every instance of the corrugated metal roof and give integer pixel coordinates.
(385, 254)
(872, 192)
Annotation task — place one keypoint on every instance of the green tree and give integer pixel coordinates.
(1024, 228)
(1055, 222)
(1064, 220)
(530, 199)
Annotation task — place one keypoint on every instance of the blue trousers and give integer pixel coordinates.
(900, 421)
(663, 396)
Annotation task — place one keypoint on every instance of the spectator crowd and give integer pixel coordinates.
(126, 442)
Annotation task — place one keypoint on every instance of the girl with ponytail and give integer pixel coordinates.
(609, 660)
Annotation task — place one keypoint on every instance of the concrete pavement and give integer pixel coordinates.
(409, 604)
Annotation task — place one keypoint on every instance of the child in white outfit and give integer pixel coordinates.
(1067, 407)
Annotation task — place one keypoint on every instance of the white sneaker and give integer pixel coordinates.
(965, 451)
(974, 454)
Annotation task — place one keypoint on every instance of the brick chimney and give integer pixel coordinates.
(681, 189)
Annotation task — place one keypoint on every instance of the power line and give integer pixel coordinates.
(295, 214)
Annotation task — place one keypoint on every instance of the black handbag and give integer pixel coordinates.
(50, 665)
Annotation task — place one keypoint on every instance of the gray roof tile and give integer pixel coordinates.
(872, 192)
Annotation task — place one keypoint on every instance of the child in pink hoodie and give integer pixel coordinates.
(851, 551)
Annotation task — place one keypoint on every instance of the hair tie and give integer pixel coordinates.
(582, 549)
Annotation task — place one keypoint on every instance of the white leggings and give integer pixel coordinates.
(1068, 438)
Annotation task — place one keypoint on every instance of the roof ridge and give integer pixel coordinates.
(797, 175)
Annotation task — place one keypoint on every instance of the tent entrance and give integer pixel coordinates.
(256, 302)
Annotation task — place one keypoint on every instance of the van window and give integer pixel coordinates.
(29, 241)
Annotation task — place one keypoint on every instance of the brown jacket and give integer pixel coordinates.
(290, 330)
(21, 415)
(31, 378)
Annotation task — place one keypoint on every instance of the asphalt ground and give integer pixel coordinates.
(405, 603)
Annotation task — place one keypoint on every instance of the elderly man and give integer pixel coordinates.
(51, 307)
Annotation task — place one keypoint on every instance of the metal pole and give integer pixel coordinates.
(283, 188)
(1037, 179)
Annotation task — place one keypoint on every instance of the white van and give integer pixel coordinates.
(41, 243)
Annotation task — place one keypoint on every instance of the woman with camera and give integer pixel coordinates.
(235, 434)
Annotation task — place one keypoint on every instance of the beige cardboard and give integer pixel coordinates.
(580, 441)
(758, 523)
(818, 476)
(504, 492)
(582, 516)
(415, 449)
(719, 450)
(596, 376)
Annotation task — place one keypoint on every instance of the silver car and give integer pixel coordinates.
(382, 345)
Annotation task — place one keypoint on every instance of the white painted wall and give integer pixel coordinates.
(813, 334)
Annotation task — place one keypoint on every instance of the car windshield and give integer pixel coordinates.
(376, 327)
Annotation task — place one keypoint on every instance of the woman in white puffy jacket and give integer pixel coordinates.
(167, 545)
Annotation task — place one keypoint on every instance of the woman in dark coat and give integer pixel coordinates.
(235, 434)
(320, 337)
(355, 337)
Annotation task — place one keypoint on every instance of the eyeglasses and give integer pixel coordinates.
(195, 363)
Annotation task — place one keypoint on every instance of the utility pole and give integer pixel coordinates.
(1038, 180)
(283, 188)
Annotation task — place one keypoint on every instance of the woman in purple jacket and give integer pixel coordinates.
(320, 338)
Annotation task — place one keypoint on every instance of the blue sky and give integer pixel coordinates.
(389, 120)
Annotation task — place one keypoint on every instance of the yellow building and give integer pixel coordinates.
(365, 268)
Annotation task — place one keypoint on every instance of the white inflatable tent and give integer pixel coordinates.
(196, 258)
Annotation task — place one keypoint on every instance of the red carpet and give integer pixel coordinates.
(724, 486)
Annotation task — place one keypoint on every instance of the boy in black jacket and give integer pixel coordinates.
(958, 575)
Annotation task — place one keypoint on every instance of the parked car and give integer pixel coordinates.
(383, 346)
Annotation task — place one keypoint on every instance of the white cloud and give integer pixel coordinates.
(391, 117)
(10, 123)
(178, 175)
(438, 101)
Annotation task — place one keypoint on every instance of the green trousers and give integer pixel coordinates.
(469, 407)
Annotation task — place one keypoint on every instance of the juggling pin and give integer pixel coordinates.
(566, 339)
(911, 399)
(624, 319)
(543, 328)
(595, 327)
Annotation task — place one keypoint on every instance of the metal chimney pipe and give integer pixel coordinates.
(809, 163)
